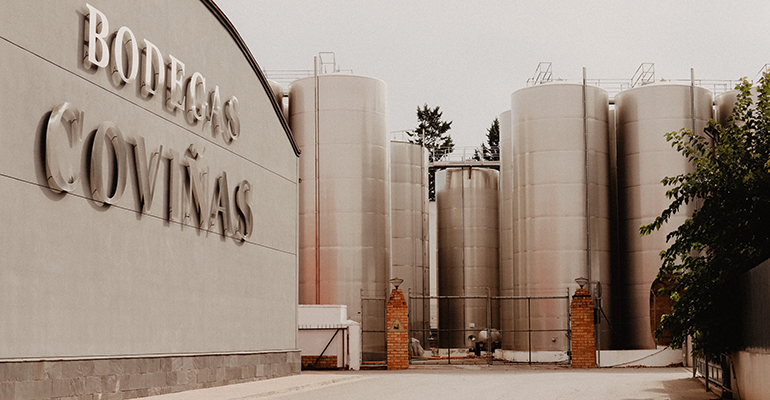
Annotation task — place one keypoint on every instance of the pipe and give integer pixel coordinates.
(296, 249)
(588, 208)
(317, 188)
(692, 112)
(692, 98)
(462, 213)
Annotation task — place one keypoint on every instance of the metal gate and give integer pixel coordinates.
(540, 334)
(373, 331)
(712, 372)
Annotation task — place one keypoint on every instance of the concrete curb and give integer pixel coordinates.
(300, 388)
(262, 388)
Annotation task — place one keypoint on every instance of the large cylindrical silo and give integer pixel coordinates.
(725, 103)
(560, 208)
(340, 124)
(277, 90)
(467, 202)
(506, 230)
(644, 115)
(409, 221)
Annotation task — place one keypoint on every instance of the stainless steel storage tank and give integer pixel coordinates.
(467, 202)
(561, 195)
(644, 115)
(506, 230)
(277, 90)
(409, 222)
(725, 103)
(340, 125)
(433, 261)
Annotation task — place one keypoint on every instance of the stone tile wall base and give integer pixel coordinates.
(128, 378)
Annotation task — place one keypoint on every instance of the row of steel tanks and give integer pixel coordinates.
(578, 179)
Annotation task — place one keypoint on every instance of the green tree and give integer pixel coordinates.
(490, 151)
(727, 234)
(431, 132)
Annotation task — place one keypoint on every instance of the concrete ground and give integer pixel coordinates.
(468, 382)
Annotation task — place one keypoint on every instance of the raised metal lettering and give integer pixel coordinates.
(108, 133)
(196, 98)
(215, 116)
(175, 92)
(124, 38)
(196, 193)
(173, 186)
(232, 121)
(97, 29)
(154, 70)
(243, 208)
(146, 175)
(220, 204)
(63, 113)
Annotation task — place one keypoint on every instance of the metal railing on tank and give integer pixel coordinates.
(543, 74)
(644, 75)
(464, 156)
(716, 86)
(326, 63)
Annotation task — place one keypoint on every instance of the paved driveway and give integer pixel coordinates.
(469, 382)
(477, 382)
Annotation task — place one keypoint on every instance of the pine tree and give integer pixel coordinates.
(490, 151)
(431, 132)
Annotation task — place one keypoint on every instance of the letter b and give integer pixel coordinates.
(97, 29)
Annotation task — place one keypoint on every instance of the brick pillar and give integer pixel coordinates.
(583, 345)
(398, 332)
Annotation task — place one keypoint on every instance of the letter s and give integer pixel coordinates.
(245, 218)
(232, 122)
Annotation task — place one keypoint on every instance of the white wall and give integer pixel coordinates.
(645, 358)
(326, 329)
(752, 369)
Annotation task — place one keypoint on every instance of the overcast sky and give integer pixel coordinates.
(469, 56)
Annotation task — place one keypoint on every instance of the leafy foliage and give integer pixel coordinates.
(490, 151)
(728, 233)
(431, 132)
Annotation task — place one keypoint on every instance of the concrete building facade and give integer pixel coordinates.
(148, 184)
